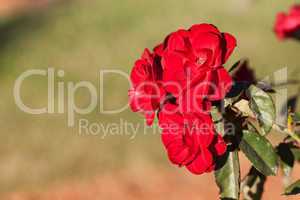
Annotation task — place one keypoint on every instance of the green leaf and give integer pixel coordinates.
(253, 185)
(293, 189)
(259, 151)
(228, 177)
(227, 173)
(263, 107)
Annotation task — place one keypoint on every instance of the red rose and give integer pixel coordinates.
(146, 93)
(190, 139)
(179, 80)
(192, 59)
(288, 25)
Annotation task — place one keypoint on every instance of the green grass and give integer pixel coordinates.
(84, 37)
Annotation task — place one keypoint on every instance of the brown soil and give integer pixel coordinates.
(146, 184)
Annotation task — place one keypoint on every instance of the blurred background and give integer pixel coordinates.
(42, 158)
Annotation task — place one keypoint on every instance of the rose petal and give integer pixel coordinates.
(230, 45)
(295, 10)
(198, 28)
(201, 128)
(174, 75)
(149, 115)
(220, 146)
(159, 49)
(208, 42)
(220, 84)
(168, 136)
(176, 41)
(202, 163)
(177, 152)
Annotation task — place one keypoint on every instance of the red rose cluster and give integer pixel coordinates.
(178, 82)
(288, 25)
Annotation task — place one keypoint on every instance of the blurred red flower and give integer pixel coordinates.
(287, 25)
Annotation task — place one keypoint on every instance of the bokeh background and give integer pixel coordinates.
(42, 158)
